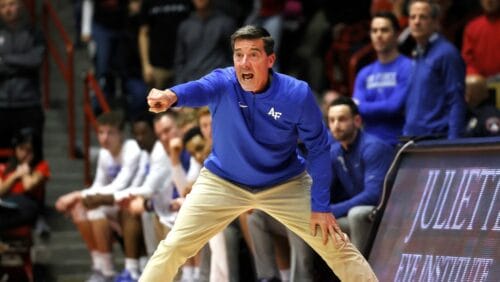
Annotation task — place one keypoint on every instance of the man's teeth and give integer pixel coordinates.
(247, 76)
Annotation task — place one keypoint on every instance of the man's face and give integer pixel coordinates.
(343, 125)
(195, 146)
(384, 38)
(9, 10)
(490, 6)
(165, 130)
(144, 135)
(421, 23)
(206, 126)
(109, 137)
(252, 64)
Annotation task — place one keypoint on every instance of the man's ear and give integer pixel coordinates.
(358, 121)
(271, 59)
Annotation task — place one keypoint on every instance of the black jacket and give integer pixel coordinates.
(21, 54)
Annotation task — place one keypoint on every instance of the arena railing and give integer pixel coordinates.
(64, 61)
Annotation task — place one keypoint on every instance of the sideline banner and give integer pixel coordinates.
(442, 218)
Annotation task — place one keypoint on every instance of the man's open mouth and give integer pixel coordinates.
(246, 76)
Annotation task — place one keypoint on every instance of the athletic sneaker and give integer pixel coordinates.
(125, 276)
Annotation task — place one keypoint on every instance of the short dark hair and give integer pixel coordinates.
(390, 17)
(113, 118)
(190, 134)
(146, 117)
(170, 113)
(344, 100)
(435, 7)
(254, 32)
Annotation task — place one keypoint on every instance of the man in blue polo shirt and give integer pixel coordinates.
(359, 164)
(258, 116)
(435, 103)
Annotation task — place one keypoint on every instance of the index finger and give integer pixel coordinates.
(324, 234)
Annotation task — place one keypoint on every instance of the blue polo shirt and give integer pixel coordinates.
(435, 102)
(255, 136)
(358, 172)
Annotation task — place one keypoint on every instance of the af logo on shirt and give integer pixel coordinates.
(276, 115)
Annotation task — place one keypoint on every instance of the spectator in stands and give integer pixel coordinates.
(265, 231)
(258, 116)
(160, 20)
(480, 39)
(380, 88)
(202, 42)
(435, 102)
(480, 52)
(359, 163)
(22, 182)
(116, 168)
(133, 85)
(103, 26)
(22, 48)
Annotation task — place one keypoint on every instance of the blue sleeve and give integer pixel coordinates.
(376, 161)
(385, 107)
(454, 80)
(359, 93)
(201, 92)
(313, 132)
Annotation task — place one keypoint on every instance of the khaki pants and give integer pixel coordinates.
(160, 229)
(214, 203)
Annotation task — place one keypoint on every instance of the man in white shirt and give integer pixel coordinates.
(117, 165)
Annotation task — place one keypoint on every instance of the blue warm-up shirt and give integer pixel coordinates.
(358, 172)
(255, 135)
(380, 91)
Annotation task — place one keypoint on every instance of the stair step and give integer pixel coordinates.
(80, 264)
(72, 277)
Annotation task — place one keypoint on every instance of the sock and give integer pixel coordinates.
(196, 273)
(142, 263)
(95, 260)
(106, 264)
(132, 265)
(187, 273)
(285, 274)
